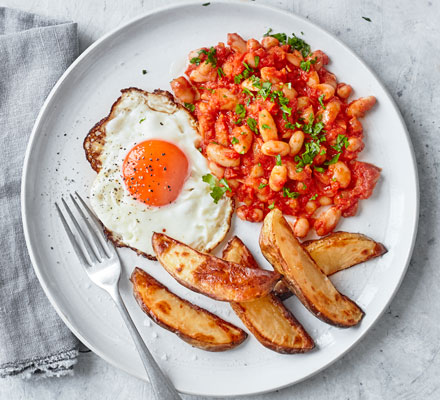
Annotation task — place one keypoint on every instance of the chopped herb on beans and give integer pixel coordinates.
(294, 42)
(305, 65)
(240, 110)
(191, 107)
(217, 191)
(289, 194)
(195, 60)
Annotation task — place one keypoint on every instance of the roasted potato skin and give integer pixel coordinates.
(277, 235)
(302, 341)
(143, 282)
(212, 276)
(294, 339)
(282, 290)
(342, 250)
(336, 252)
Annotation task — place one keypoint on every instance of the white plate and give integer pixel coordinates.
(55, 165)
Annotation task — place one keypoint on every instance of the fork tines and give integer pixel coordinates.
(84, 232)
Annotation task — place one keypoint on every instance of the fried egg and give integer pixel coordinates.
(150, 175)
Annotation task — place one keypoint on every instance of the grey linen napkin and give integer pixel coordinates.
(34, 52)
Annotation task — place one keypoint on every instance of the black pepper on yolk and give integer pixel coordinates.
(155, 171)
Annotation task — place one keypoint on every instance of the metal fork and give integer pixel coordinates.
(100, 260)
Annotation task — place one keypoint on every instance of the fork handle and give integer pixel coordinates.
(163, 389)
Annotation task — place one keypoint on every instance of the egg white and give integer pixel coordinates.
(193, 217)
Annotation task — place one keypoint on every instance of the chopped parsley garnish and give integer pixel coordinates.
(262, 185)
(320, 99)
(141, 120)
(217, 191)
(281, 98)
(312, 148)
(308, 128)
(252, 124)
(286, 110)
(210, 56)
(278, 158)
(190, 106)
(367, 19)
(311, 151)
(265, 126)
(319, 169)
(256, 81)
(314, 129)
(333, 160)
(305, 65)
(234, 140)
(205, 88)
(144, 71)
(314, 197)
(248, 92)
(247, 67)
(240, 110)
(195, 60)
(341, 142)
(264, 92)
(199, 149)
(271, 206)
(220, 72)
(294, 42)
(317, 129)
(244, 75)
(256, 61)
(296, 125)
(289, 194)
(205, 4)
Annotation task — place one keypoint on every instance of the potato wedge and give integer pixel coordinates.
(191, 323)
(305, 279)
(212, 276)
(335, 252)
(267, 318)
(282, 290)
(341, 250)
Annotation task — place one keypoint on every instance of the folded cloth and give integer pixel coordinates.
(34, 52)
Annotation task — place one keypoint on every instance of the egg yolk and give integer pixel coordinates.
(154, 172)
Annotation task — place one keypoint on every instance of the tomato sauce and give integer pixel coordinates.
(231, 85)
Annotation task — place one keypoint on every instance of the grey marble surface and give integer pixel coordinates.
(399, 358)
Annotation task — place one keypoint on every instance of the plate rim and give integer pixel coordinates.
(158, 10)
